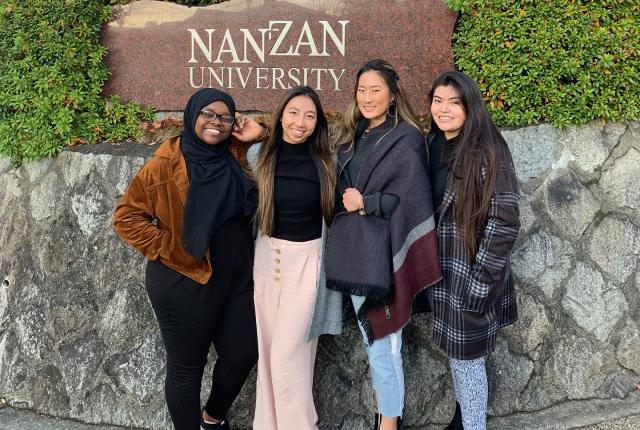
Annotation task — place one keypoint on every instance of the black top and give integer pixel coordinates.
(298, 214)
(379, 204)
(441, 154)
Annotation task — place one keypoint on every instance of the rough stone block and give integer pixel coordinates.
(594, 304)
(577, 367)
(543, 260)
(508, 376)
(36, 169)
(92, 208)
(620, 183)
(45, 198)
(628, 351)
(587, 147)
(614, 247)
(534, 150)
(568, 203)
(612, 134)
(532, 328)
(5, 165)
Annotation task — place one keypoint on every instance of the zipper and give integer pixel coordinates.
(387, 312)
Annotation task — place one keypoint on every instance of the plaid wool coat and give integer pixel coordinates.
(477, 297)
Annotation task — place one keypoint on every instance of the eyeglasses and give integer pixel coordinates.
(210, 115)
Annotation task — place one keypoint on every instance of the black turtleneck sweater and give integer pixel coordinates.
(440, 157)
(298, 214)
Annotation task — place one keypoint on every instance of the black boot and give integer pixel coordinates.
(376, 421)
(456, 422)
(378, 418)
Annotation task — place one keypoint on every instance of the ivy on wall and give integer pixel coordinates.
(556, 61)
(51, 77)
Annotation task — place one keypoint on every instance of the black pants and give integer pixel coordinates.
(192, 316)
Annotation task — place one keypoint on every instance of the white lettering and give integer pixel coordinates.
(295, 79)
(191, 77)
(258, 49)
(231, 49)
(219, 79)
(306, 31)
(261, 77)
(277, 76)
(229, 77)
(196, 38)
(244, 80)
(340, 43)
(336, 80)
(280, 39)
(318, 77)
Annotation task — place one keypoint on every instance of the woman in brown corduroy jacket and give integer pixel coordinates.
(186, 211)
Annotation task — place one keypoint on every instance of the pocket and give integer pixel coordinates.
(478, 296)
(299, 280)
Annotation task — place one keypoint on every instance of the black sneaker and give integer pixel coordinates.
(222, 425)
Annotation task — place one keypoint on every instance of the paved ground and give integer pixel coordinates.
(583, 415)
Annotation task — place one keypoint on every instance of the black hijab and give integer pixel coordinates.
(217, 186)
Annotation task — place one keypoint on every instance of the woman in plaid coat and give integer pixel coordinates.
(475, 190)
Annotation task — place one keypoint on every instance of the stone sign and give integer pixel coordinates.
(159, 53)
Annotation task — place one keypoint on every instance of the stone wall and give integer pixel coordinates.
(78, 337)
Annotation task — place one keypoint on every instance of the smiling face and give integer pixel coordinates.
(299, 119)
(373, 97)
(447, 110)
(213, 131)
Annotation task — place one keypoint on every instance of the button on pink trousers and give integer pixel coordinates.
(285, 275)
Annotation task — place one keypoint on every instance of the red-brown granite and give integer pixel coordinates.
(159, 53)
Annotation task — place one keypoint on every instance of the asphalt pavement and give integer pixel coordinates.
(596, 414)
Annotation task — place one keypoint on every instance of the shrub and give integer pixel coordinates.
(183, 2)
(562, 62)
(51, 77)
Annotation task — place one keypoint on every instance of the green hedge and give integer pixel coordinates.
(561, 62)
(183, 2)
(51, 77)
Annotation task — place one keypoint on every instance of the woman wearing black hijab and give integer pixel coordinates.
(185, 211)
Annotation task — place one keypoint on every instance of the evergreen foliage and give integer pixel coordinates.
(556, 61)
(51, 77)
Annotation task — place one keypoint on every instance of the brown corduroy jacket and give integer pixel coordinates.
(150, 214)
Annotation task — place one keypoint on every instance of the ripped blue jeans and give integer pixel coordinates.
(385, 365)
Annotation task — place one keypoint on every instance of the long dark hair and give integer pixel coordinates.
(320, 152)
(479, 152)
(345, 130)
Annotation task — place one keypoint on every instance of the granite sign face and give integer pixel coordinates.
(160, 53)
